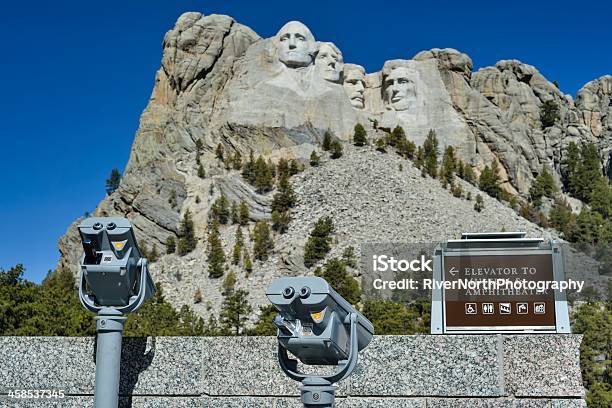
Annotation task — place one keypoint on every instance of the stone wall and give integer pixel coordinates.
(394, 371)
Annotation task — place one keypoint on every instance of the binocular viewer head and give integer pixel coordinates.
(314, 320)
(112, 266)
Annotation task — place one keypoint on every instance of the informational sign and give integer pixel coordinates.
(499, 283)
(499, 306)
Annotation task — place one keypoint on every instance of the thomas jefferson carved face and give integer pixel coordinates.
(400, 88)
(354, 85)
(295, 44)
(329, 62)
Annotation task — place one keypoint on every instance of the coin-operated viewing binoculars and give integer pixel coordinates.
(318, 327)
(114, 280)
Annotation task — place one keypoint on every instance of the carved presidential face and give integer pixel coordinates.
(400, 88)
(354, 85)
(295, 44)
(329, 62)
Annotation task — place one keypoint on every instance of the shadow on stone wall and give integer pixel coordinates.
(135, 359)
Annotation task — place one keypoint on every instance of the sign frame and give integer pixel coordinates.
(498, 244)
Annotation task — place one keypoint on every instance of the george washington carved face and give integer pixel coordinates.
(295, 45)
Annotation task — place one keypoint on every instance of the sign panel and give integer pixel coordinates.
(495, 307)
(499, 283)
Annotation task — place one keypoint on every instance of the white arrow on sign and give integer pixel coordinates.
(453, 271)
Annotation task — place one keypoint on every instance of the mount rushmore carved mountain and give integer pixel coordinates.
(221, 84)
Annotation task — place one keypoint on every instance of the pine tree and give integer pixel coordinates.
(600, 197)
(397, 137)
(272, 170)
(489, 180)
(234, 213)
(336, 150)
(262, 241)
(220, 210)
(294, 167)
(243, 213)
(543, 186)
(187, 241)
(430, 153)
(549, 113)
(594, 321)
(318, 244)
(456, 190)
(449, 165)
(282, 169)
(380, 145)
(201, 171)
(588, 227)
(390, 318)
(280, 221)
(199, 147)
(430, 146)
(216, 256)
(228, 284)
(479, 203)
(334, 272)
(284, 198)
(314, 159)
(570, 163)
(587, 171)
(235, 309)
(419, 159)
(264, 325)
(113, 181)
(561, 218)
(246, 259)
(360, 137)
(248, 170)
(170, 245)
(348, 257)
(239, 242)
(264, 177)
(327, 141)
(431, 166)
(406, 149)
(468, 174)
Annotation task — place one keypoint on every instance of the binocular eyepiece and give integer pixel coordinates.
(289, 292)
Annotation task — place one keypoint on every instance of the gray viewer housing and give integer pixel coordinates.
(318, 327)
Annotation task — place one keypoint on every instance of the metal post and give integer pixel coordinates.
(317, 392)
(109, 325)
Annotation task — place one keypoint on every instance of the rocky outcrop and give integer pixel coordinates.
(220, 83)
(502, 106)
(594, 103)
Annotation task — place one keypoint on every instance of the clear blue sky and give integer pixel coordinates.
(75, 77)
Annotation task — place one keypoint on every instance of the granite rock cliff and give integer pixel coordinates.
(220, 83)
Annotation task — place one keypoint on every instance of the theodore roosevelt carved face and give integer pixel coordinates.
(329, 62)
(354, 84)
(399, 88)
(295, 44)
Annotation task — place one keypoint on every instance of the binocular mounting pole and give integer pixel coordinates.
(109, 326)
(318, 392)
